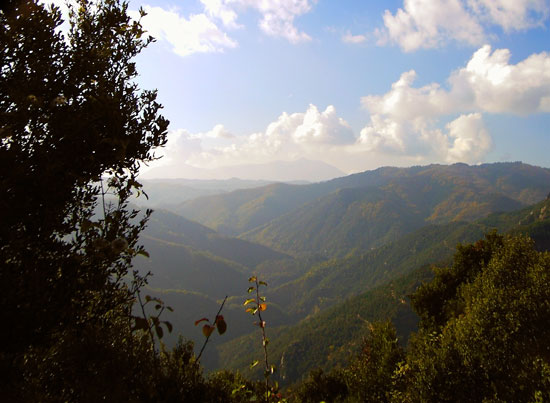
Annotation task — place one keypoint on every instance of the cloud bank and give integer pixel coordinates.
(406, 125)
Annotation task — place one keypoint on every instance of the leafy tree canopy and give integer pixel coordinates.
(485, 334)
(74, 130)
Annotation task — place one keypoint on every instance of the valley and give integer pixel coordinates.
(337, 255)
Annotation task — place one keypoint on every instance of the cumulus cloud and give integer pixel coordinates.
(310, 134)
(437, 122)
(405, 119)
(468, 140)
(195, 34)
(354, 39)
(465, 139)
(431, 24)
(487, 83)
(490, 83)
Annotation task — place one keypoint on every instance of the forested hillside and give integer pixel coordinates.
(369, 209)
(357, 238)
(327, 338)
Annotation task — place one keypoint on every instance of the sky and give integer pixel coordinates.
(354, 84)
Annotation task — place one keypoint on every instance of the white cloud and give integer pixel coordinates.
(465, 139)
(468, 139)
(277, 16)
(488, 83)
(218, 9)
(512, 15)
(195, 34)
(438, 122)
(311, 134)
(429, 24)
(433, 23)
(405, 119)
(354, 39)
(321, 127)
(218, 132)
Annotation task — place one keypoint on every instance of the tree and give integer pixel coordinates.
(494, 342)
(75, 129)
(370, 375)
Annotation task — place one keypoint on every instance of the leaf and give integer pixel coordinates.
(250, 289)
(263, 283)
(251, 310)
(147, 298)
(86, 225)
(252, 279)
(248, 301)
(207, 330)
(254, 363)
(221, 325)
(170, 308)
(201, 320)
(262, 307)
(140, 323)
(158, 306)
(168, 326)
(143, 253)
(159, 331)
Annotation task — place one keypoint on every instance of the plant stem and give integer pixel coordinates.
(148, 324)
(264, 339)
(208, 337)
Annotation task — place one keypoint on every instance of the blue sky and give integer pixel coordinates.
(356, 84)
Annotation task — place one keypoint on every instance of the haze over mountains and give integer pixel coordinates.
(371, 236)
(277, 171)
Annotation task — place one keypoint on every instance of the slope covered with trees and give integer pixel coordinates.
(365, 217)
(437, 193)
(337, 319)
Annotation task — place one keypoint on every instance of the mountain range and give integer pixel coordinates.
(336, 254)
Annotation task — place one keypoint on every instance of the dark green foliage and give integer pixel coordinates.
(327, 340)
(325, 284)
(491, 340)
(322, 387)
(439, 300)
(74, 131)
(369, 376)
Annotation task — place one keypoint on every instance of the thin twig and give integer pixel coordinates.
(208, 337)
